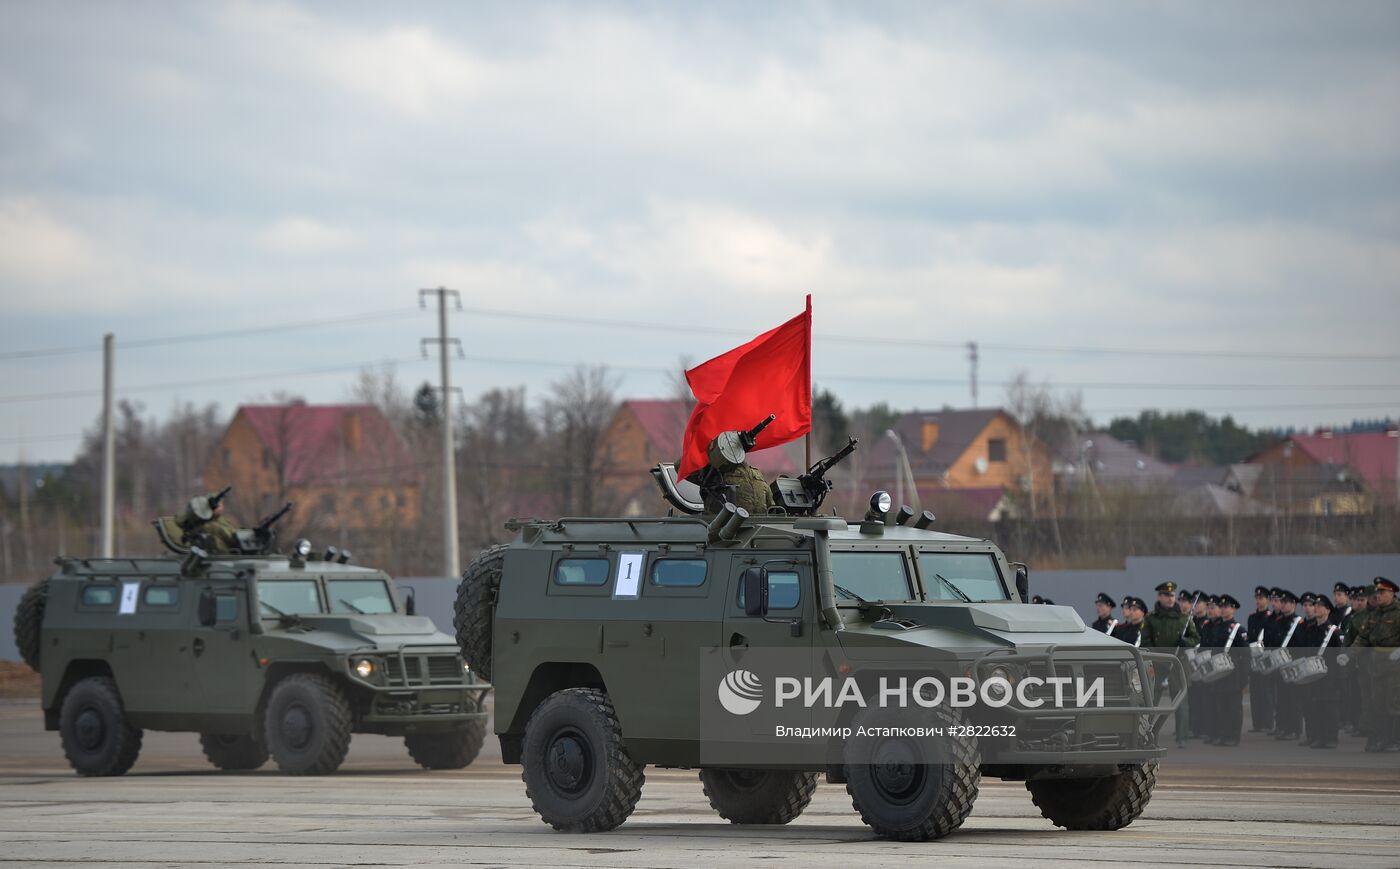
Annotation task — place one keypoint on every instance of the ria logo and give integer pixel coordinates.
(740, 692)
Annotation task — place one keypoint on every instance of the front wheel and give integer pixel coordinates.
(758, 796)
(307, 724)
(1107, 803)
(233, 753)
(447, 749)
(913, 788)
(578, 774)
(97, 737)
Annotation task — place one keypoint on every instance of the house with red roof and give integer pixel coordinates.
(343, 465)
(649, 430)
(1330, 472)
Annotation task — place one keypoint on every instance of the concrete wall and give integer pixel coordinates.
(1076, 588)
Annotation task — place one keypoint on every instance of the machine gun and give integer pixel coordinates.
(803, 495)
(217, 498)
(259, 539)
(749, 439)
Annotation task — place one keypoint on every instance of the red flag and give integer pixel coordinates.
(737, 390)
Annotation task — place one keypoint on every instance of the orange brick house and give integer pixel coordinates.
(343, 465)
(955, 456)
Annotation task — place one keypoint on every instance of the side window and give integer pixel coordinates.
(225, 607)
(996, 449)
(581, 571)
(99, 595)
(784, 590)
(678, 572)
(160, 596)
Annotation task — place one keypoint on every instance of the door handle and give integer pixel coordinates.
(198, 647)
(738, 641)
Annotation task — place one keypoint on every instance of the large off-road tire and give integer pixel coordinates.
(447, 749)
(307, 724)
(909, 788)
(1107, 803)
(578, 774)
(92, 724)
(233, 753)
(29, 620)
(476, 601)
(758, 796)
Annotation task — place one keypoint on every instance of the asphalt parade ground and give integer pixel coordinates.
(1271, 805)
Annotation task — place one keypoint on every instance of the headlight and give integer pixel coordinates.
(303, 547)
(1004, 673)
(997, 685)
(364, 668)
(881, 502)
(466, 668)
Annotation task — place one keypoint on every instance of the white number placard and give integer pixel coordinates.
(628, 584)
(130, 591)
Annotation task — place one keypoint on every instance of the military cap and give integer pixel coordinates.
(1261, 591)
(1382, 583)
(1047, 601)
(1306, 597)
(1287, 596)
(1104, 599)
(1167, 587)
(1035, 598)
(1141, 604)
(1358, 591)
(1276, 592)
(1341, 586)
(1322, 600)
(1215, 599)
(1229, 600)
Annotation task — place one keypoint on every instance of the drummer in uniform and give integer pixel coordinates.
(1288, 715)
(1261, 695)
(1228, 693)
(1319, 698)
(1103, 604)
(1200, 713)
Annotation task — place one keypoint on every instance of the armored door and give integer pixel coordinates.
(225, 665)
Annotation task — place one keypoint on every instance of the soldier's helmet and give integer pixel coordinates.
(726, 451)
(196, 512)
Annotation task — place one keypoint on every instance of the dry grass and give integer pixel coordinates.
(18, 681)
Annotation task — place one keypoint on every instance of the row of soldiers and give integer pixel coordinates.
(1359, 691)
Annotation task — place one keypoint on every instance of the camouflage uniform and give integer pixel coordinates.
(1162, 630)
(214, 535)
(1381, 631)
(751, 490)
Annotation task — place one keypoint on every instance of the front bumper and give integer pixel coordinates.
(1122, 730)
(419, 686)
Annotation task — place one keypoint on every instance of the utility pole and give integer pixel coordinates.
(972, 363)
(109, 451)
(451, 563)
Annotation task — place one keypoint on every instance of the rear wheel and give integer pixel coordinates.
(471, 614)
(1107, 803)
(447, 749)
(29, 619)
(578, 774)
(92, 724)
(758, 796)
(910, 788)
(233, 753)
(307, 724)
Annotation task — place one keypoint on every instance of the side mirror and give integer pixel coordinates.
(1023, 582)
(410, 602)
(755, 581)
(208, 609)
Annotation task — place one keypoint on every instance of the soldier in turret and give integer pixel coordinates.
(732, 479)
(204, 524)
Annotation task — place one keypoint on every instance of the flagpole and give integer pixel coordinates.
(807, 441)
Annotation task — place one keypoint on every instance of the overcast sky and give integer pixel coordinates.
(1189, 178)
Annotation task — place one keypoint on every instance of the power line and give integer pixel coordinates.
(287, 326)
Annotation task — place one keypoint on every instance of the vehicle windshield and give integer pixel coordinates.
(290, 597)
(871, 576)
(363, 596)
(974, 574)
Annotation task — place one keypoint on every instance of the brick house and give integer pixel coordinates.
(343, 465)
(1328, 472)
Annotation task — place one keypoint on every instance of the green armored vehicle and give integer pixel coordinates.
(677, 642)
(260, 654)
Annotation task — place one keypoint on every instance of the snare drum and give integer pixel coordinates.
(1216, 667)
(1304, 670)
(1270, 660)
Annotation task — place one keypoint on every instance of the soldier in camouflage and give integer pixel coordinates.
(733, 479)
(1381, 631)
(1167, 627)
(203, 524)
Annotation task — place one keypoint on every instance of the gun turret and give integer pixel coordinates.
(258, 540)
(218, 497)
(264, 528)
(804, 495)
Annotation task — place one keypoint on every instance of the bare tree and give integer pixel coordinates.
(575, 416)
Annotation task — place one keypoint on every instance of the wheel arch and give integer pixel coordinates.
(74, 672)
(547, 678)
(279, 670)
